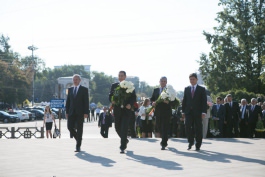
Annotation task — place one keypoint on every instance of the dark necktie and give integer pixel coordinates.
(75, 91)
(192, 91)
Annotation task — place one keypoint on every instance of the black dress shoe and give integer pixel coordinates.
(163, 148)
(197, 149)
(189, 148)
(78, 149)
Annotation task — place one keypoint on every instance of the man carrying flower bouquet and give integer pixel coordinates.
(122, 96)
(162, 99)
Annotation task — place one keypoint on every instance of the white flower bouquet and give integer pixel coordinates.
(122, 93)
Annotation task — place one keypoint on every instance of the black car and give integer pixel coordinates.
(6, 118)
(38, 114)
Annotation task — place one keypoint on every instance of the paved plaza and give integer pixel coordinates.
(143, 157)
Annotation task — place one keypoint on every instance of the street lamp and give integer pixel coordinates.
(32, 48)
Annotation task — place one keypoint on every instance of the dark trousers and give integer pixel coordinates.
(251, 129)
(121, 126)
(75, 127)
(97, 116)
(132, 125)
(193, 125)
(104, 130)
(243, 129)
(232, 124)
(162, 123)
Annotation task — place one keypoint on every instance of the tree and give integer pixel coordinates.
(100, 87)
(14, 82)
(237, 57)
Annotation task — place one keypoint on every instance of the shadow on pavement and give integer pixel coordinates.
(230, 140)
(213, 156)
(152, 161)
(95, 159)
(184, 140)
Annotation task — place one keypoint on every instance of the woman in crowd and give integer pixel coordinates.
(47, 121)
(146, 120)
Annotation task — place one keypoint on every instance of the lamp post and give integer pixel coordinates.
(32, 48)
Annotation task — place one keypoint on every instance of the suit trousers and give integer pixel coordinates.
(193, 125)
(121, 126)
(232, 125)
(104, 130)
(132, 125)
(243, 129)
(163, 128)
(75, 127)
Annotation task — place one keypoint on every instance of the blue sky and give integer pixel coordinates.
(146, 38)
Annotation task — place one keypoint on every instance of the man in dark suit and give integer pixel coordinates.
(77, 107)
(163, 113)
(243, 119)
(122, 114)
(194, 108)
(105, 122)
(232, 113)
(218, 115)
(255, 114)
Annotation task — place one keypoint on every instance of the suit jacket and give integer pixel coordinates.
(161, 109)
(79, 105)
(255, 114)
(232, 113)
(117, 109)
(108, 119)
(219, 113)
(244, 112)
(197, 104)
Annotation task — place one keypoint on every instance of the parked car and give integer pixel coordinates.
(38, 114)
(31, 115)
(5, 117)
(22, 115)
(56, 111)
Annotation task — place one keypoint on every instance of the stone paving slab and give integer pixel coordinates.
(101, 157)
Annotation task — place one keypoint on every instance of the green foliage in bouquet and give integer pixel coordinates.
(260, 125)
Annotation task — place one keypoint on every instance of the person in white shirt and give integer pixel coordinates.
(48, 119)
(97, 113)
(146, 120)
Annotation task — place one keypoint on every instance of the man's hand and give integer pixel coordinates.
(203, 115)
(166, 101)
(154, 104)
(128, 106)
(85, 116)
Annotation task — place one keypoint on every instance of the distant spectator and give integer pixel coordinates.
(48, 120)
(97, 113)
(105, 122)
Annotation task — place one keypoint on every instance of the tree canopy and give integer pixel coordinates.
(237, 57)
